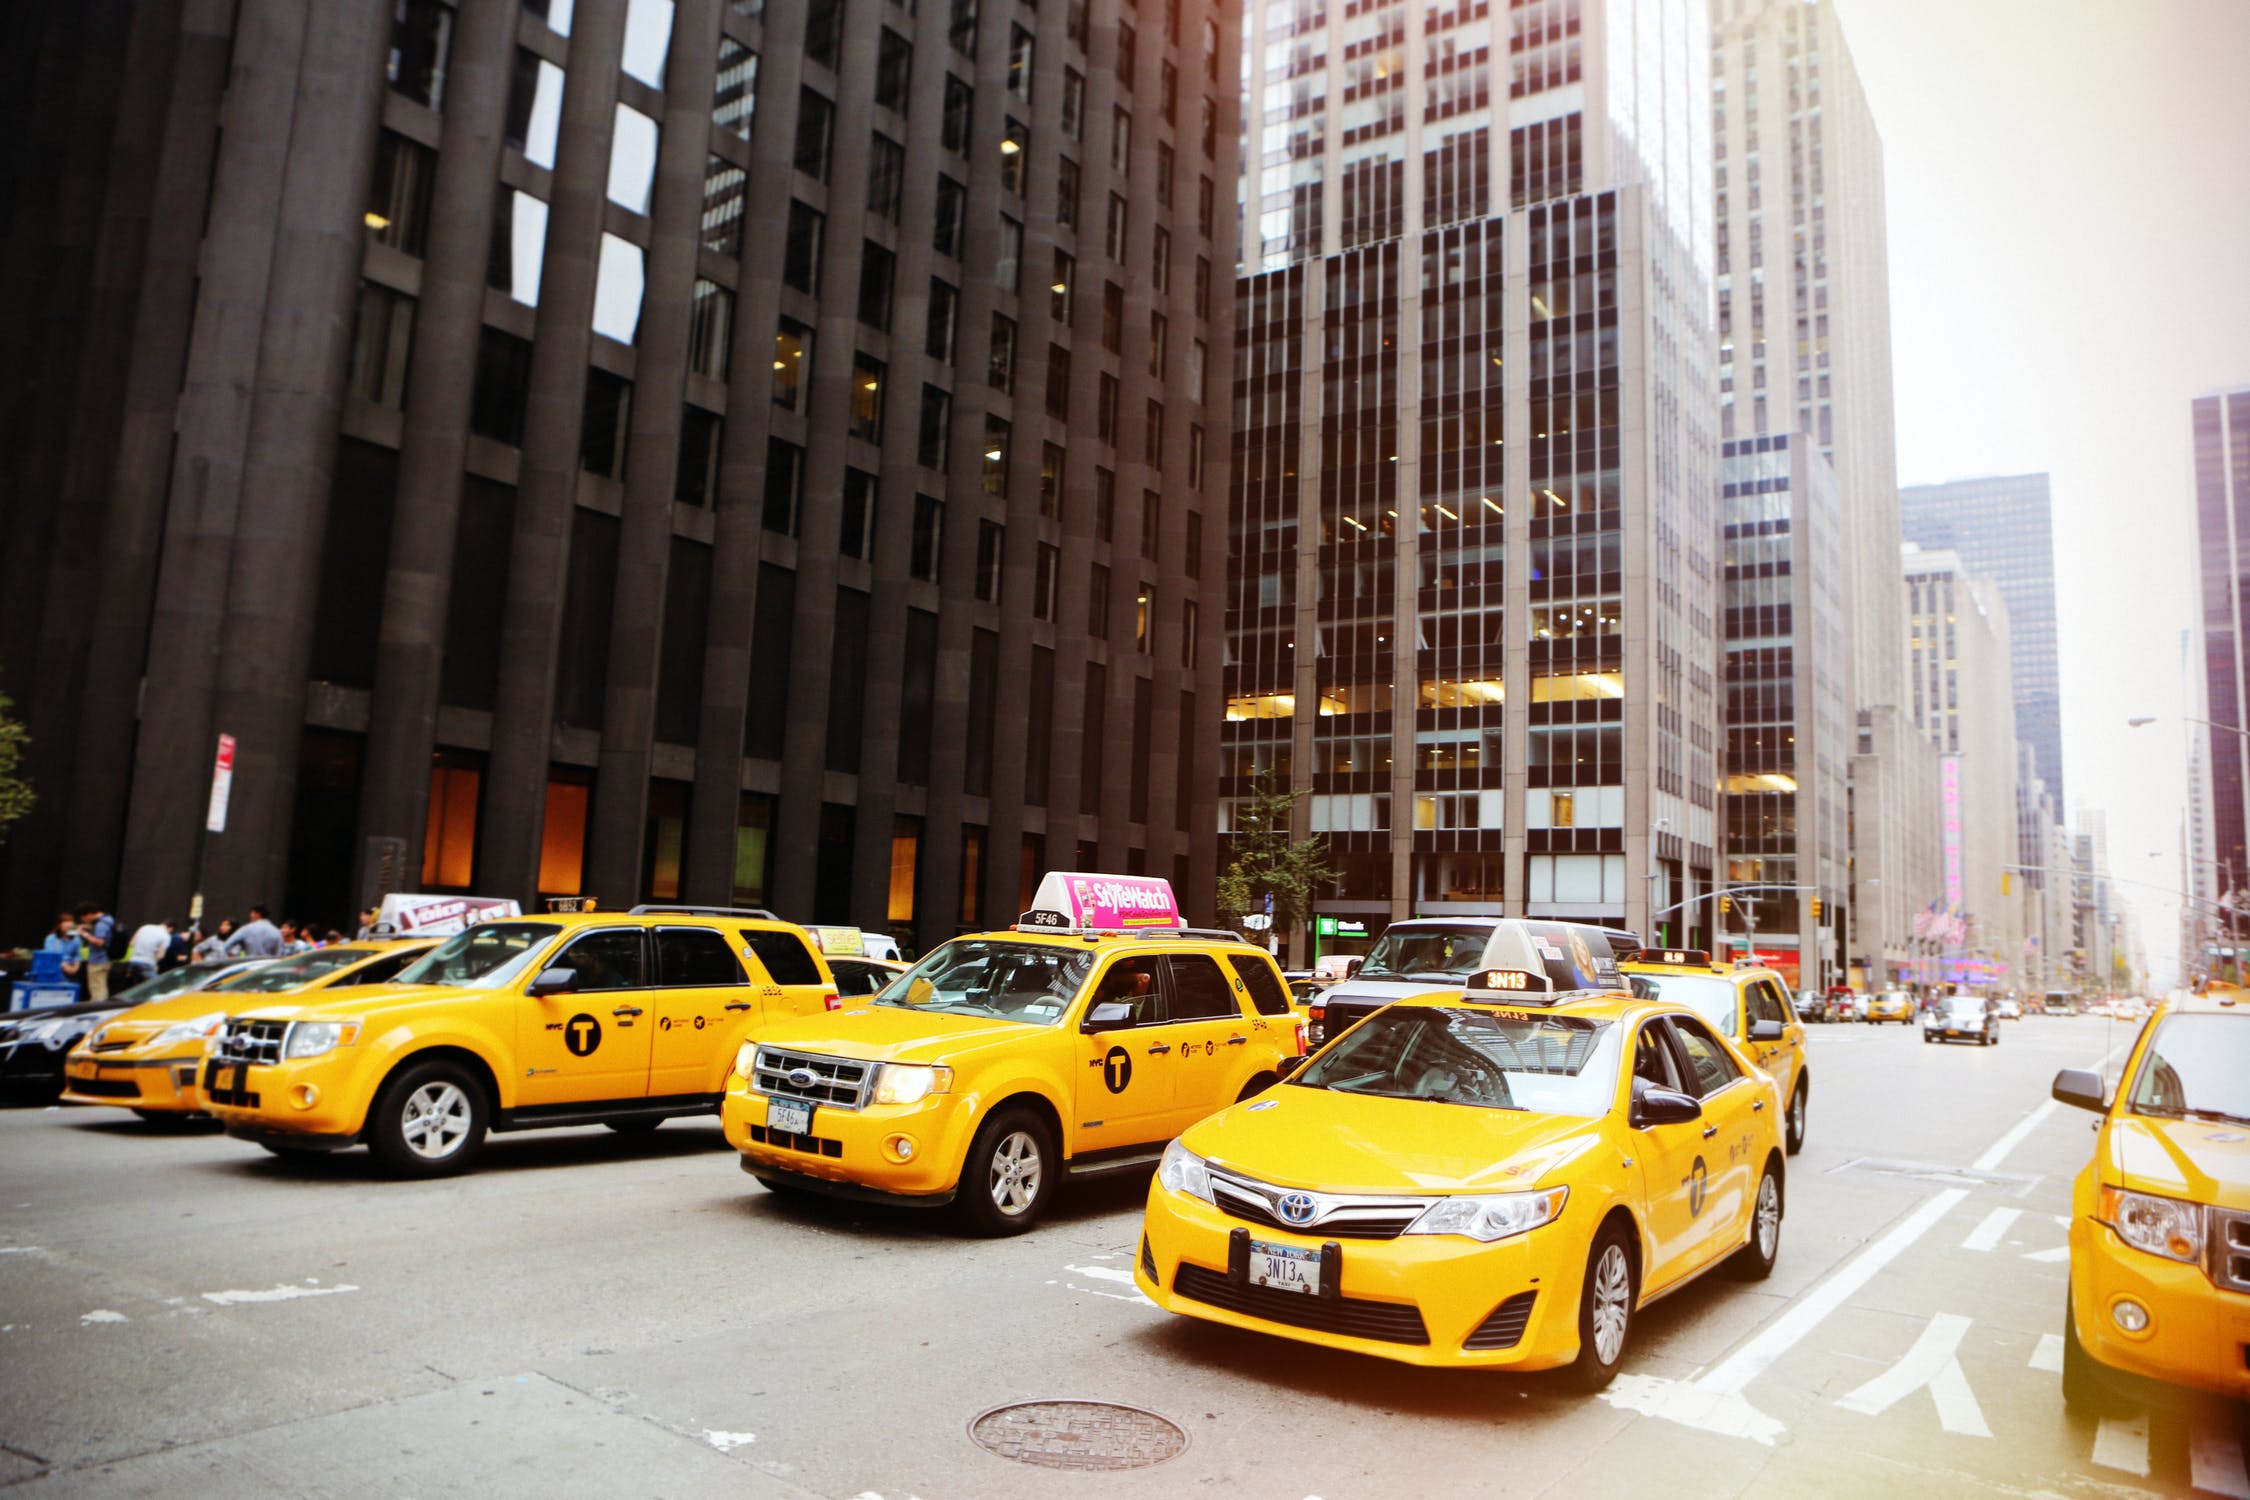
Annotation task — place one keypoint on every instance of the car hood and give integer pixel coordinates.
(891, 1033)
(1293, 1136)
(1384, 991)
(2202, 1161)
(352, 1003)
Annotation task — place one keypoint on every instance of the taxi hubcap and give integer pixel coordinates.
(437, 1117)
(1015, 1173)
(1769, 1218)
(1613, 1290)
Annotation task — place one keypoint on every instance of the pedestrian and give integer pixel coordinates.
(67, 945)
(98, 930)
(146, 949)
(181, 948)
(257, 938)
(211, 949)
(369, 916)
(292, 939)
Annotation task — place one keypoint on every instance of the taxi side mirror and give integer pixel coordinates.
(1110, 1015)
(1663, 1107)
(2081, 1087)
(1766, 1031)
(1285, 1067)
(553, 981)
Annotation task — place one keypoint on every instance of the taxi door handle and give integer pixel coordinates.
(1238, 1041)
(626, 1010)
(738, 1005)
(1159, 1047)
(1756, 1105)
(1710, 1131)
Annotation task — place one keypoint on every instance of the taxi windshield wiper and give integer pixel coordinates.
(2199, 1113)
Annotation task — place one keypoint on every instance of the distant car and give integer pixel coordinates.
(2009, 1010)
(1890, 1005)
(1963, 1018)
(1304, 984)
(1811, 1005)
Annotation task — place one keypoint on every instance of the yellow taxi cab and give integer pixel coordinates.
(577, 1017)
(2160, 1218)
(1076, 1043)
(852, 959)
(146, 1059)
(1497, 1176)
(1890, 1005)
(1733, 1001)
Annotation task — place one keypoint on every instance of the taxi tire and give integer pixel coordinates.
(1751, 1262)
(2084, 1390)
(386, 1136)
(973, 1202)
(1793, 1119)
(1587, 1372)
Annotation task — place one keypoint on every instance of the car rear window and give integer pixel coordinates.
(1266, 991)
(1200, 992)
(784, 954)
(691, 957)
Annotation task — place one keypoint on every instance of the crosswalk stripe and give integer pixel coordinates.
(2050, 1257)
(2215, 1463)
(2048, 1355)
(1990, 1228)
(2122, 1443)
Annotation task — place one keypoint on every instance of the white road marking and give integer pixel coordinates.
(1103, 1273)
(1111, 1274)
(1686, 1402)
(727, 1442)
(1932, 1362)
(1998, 1151)
(1990, 1228)
(2215, 1463)
(2048, 1355)
(2121, 1443)
(102, 1315)
(19, 1249)
(2049, 1257)
(283, 1293)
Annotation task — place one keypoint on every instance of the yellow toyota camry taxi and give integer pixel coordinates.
(1492, 1177)
(1076, 1043)
(2160, 1218)
(146, 1059)
(573, 1018)
(1733, 1001)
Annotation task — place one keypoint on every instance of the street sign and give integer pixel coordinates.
(1258, 921)
(222, 785)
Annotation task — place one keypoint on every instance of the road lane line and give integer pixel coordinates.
(2122, 1443)
(1738, 1369)
(2048, 1355)
(1933, 1362)
(2049, 1257)
(1998, 1151)
(1988, 1231)
(2215, 1463)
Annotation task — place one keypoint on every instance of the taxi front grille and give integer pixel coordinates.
(1344, 1219)
(1503, 1328)
(2230, 1249)
(255, 1042)
(811, 1145)
(106, 1088)
(840, 1082)
(1350, 1317)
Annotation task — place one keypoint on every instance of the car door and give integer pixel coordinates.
(790, 978)
(1763, 1001)
(1724, 1164)
(1125, 1087)
(1667, 1156)
(699, 1009)
(591, 1041)
(1210, 1037)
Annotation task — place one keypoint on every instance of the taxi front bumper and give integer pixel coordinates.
(298, 1099)
(169, 1082)
(855, 1153)
(2198, 1335)
(1442, 1300)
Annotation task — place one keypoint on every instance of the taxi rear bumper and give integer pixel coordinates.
(2197, 1335)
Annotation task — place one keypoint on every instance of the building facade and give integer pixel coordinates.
(1473, 574)
(427, 421)
(2221, 424)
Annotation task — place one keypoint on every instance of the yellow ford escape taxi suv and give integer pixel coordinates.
(147, 1058)
(1494, 1177)
(2160, 1218)
(1734, 1001)
(1077, 1042)
(575, 1018)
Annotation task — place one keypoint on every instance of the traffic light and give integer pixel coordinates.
(2007, 880)
(1726, 904)
(1816, 908)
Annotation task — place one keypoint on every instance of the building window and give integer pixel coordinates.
(710, 329)
(1159, 339)
(398, 197)
(449, 837)
(906, 840)
(1203, 201)
(503, 381)
(847, 682)
(753, 849)
(1015, 150)
(951, 218)
(1051, 460)
(1198, 365)
(1097, 602)
(1007, 266)
(695, 481)
(800, 257)
(990, 535)
(960, 113)
(724, 184)
(1114, 229)
(421, 39)
(894, 68)
(1019, 63)
(1046, 575)
(1113, 317)
(824, 32)
(929, 527)
(1128, 52)
(996, 440)
(1164, 164)
(1000, 370)
(1168, 93)
(917, 697)
(868, 376)
(619, 279)
(382, 342)
(632, 160)
(1194, 544)
(961, 27)
(856, 536)
(1195, 457)
(562, 832)
(1074, 104)
(792, 363)
(1058, 381)
(1152, 523)
(648, 37)
(1188, 629)
(734, 97)
(945, 315)
(1160, 260)
(1203, 286)
(1144, 619)
(934, 442)
(1210, 132)
(1105, 504)
(1066, 192)
(1152, 436)
(816, 134)
(877, 269)
(785, 485)
(1105, 410)
(519, 246)
(535, 93)
(886, 178)
(605, 424)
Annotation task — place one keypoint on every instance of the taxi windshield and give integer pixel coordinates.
(1428, 949)
(487, 956)
(2197, 1067)
(1029, 982)
(1555, 1065)
(293, 972)
(171, 982)
(1708, 995)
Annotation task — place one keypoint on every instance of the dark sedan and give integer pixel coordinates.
(33, 1043)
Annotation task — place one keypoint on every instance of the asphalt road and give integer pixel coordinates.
(595, 1315)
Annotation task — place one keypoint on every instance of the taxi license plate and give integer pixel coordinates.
(789, 1116)
(1285, 1268)
(84, 1070)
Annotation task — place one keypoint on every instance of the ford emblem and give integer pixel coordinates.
(1297, 1208)
(803, 1078)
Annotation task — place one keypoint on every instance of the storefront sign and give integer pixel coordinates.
(441, 916)
(1347, 927)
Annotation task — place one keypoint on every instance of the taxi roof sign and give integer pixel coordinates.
(1070, 900)
(1507, 981)
(838, 942)
(1676, 958)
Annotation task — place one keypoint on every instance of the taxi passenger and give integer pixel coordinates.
(1733, 1001)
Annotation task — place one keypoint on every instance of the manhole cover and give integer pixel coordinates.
(1078, 1435)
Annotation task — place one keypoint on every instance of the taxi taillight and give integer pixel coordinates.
(1304, 1039)
(831, 1002)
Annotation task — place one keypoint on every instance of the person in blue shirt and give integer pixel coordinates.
(98, 930)
(66, 944)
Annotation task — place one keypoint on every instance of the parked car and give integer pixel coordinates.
(1811, 1005)
(33, 1043)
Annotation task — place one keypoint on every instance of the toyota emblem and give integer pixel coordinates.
(803, 1078)
(1297, 1208)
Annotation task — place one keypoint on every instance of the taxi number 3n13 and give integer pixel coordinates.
(1285, 1268)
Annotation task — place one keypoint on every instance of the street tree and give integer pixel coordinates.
(1268, 860)
(15, 791)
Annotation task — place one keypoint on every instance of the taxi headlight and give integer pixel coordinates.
(318, 1038)
(188, 1031)
(2161, 1226)
(1182, 1171)
(907, 1083)
(746, 1061)
(1492, 1216)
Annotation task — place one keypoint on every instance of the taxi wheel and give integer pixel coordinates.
(2083, 1388)
(430, 1120)
(1799, 1098)
(1009, 1174)
(1605, 1311)
(1754, 1261)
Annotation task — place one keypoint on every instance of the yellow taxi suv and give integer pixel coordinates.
(2160, 1218)
(1890, 1005)
(574, 1018)
(1074, 1044)
(1734, 1001)
(1498, 1177)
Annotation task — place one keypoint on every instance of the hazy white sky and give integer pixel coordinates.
(2069, 187)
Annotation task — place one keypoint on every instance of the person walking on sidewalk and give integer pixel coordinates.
(98, 930)
(258, 937)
